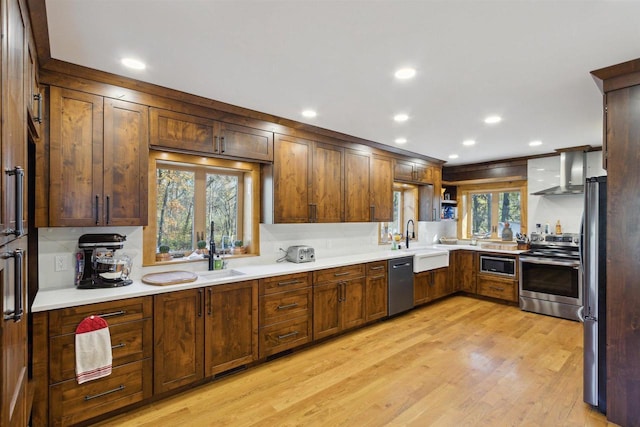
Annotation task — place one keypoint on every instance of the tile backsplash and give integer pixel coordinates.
(328, 240)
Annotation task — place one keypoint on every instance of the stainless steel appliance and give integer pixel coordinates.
(594, 267)
(300, 253)
(97, 264)
(497, 264)
(550, 278)
(400, 285)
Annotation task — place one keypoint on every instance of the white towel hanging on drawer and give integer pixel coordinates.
(93, 349)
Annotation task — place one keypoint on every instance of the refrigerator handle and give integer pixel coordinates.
(581, 314)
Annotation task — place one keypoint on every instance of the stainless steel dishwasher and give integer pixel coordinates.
(400, 285)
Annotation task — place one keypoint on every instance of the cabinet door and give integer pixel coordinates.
(422, 283)
(182, 131)
(381, 188)
(291, 179)
(353, 303)
(327, 184)
(441, 284)
(326, 309)
(126, 159)
(76, 179)
(376, 292)
(246, 142)
(466, 266)
(231, 329)
(33, 95)
(357, 193)
(178, 324)
(403, 171)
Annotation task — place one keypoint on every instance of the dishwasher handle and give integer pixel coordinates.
(406, 264)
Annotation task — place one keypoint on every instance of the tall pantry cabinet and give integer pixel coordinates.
(17, 77)
(621, 156)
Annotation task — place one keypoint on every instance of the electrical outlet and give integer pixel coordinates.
(61, 263)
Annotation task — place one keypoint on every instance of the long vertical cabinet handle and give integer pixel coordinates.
(38, 97)
(108, 207)
(18, 311)
(18, 172)
(200, 301)
(372, 213)
(223, 145)
(210, 309)
(97, 209)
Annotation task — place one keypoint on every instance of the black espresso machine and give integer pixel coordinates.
(98, 265)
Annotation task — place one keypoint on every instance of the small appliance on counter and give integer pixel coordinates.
(300, 254)
(98, 265)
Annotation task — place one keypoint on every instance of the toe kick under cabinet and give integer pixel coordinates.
(130, 327)
(285, 312)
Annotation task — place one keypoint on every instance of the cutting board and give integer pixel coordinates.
(169, 278)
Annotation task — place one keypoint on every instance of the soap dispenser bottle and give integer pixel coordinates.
(558, 228)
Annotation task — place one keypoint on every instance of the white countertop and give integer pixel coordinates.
(52, 299)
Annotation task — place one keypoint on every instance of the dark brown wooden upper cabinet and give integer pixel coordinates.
(413, 172)
(98, 160)
(193, 134)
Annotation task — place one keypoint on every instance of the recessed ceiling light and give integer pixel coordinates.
(535, 143)
(493, 120)
(133, 63)
(468, 142)
(401, 140)
(309, 114)
(405, 73)
(453, 156)
(401, 117)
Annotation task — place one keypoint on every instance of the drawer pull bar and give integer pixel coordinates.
(288, 282)
(95, 396)
(377, 277)
(342, 274)
(290, 334)
(496, 288)
(284, 307)
(380, 267)
(115, 313)
(118, 346)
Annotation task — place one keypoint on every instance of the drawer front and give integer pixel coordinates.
(65, 321)
(285, 305)
(339, 273)
(502, 289)
(129, 342)
(72, 403)
(378, 268)
(285, 335)
(284, 283)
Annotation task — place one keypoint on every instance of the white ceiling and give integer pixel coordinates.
(527, 61)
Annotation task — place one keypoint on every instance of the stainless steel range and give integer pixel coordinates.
(550, 280)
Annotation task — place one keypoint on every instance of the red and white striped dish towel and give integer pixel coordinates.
(93, 349)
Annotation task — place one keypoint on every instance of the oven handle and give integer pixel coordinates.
(533, 260)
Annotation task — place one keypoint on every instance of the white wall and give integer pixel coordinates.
(549, 209)
(328, 240)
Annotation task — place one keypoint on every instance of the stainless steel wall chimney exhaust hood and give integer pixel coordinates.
(573, 165)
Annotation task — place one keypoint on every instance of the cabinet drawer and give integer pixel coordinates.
(284, 283)
(72, 403)
(285, 335)
(496, 288)
(284, 305)
(130, 342)
(378, 268)
(65, 321)
(339, 273)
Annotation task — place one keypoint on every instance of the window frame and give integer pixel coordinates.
(248, 187)
(464, 205)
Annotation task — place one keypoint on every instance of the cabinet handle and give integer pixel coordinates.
(95, 396)
(18, 172)
(97, 209)
(372, 213)
(496, 288)
(113, 314)
(290, 334)
(210, 309)
(17, 312)
(223, 145)
(289, 282)
(216, 144)
(379, 267)
(38, 97)
(200, 301)
(342, 274)
(113, 347)
(287, 306)
(108, 209)
(377, 277)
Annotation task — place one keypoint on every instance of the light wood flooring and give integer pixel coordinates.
(457, 362)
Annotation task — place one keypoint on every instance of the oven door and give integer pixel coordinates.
(551, 280)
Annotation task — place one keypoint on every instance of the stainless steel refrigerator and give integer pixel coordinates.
(594, 268)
